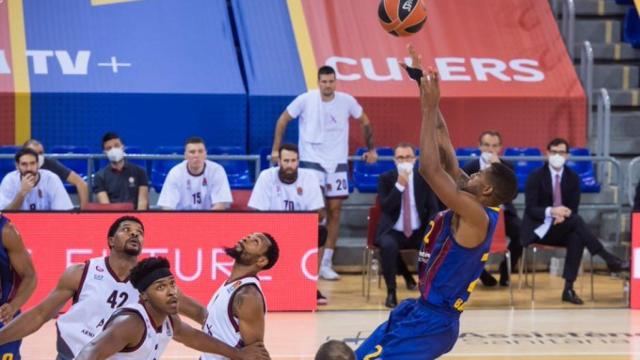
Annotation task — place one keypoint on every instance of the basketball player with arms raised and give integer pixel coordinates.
(98, 287)
(456, 245)
(141, 331)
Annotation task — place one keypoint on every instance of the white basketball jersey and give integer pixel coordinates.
(221, 323)
(153, 342)
(99, 295)
(270, 193)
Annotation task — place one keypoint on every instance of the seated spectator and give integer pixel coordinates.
(491, 146)
(63, 172)
(31, 188)
(335, 350)
(552, 197)
(120, 181)
(196, 183)
(288, 188)
(406, 203)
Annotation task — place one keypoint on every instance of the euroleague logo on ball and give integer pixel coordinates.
(402, 17)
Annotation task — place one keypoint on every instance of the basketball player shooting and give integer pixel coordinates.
(455, 247)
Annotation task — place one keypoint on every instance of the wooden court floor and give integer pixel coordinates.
(490, 329)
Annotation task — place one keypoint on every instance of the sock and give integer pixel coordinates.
(327, 257)
(568, 285)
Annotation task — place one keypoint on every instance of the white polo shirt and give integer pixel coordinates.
(47, 194)
(270, 193)
(185, 191)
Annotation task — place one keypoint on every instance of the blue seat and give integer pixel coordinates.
(160, 168)
(585, 170)
(631, 28)
(624, 2)
(466, 151)
(100, 163)
(365, 176)
(7, 165)
(524, 167)
(237, 171)
(264, 162)
(79, 166)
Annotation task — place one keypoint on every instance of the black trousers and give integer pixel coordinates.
(573, 234)
(512, 228)
(390, 244)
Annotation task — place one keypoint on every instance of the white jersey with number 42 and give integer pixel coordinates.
(100, 293)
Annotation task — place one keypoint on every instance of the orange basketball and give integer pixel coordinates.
(402, 17)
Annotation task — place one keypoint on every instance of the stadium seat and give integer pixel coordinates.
(524, 167)
(264, 161)
(365, 176)
(631, 28)
(624, 2)
(237, 171)
(466, 151)
(100, 163)
(585, 170)
(160, 168)
(80, 166)
(7, 165)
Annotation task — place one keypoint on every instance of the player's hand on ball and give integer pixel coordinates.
(430, 88)
(6, 313)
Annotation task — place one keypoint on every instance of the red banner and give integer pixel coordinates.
(193, 243)
(635, 261)
(503, 66)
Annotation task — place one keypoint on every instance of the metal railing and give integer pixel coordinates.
(603, 124)
(586, 77)
(630, 179)
(568, 25)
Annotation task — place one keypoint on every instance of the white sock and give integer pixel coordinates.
(327, 257)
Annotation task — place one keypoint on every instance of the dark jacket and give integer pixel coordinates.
(390, 199)
(539, 196)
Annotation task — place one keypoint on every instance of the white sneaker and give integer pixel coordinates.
(327, 273)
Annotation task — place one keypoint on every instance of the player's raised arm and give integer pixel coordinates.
(461, 202)
(30, 321)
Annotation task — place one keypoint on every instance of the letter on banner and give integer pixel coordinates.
(392, 65)
(69, 67)
(518, 65)
(333, 62)
(447, 67)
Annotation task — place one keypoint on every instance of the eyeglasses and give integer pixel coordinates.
(403, 158)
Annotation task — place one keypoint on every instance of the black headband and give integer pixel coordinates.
(149, 279)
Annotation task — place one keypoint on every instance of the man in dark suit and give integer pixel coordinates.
(490, 143)
(407, 203)
(552, 196)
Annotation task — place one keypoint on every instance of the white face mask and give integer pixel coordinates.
(557, 161)
(486, 156)
(40, 160)
(115, 154)
(405, 167)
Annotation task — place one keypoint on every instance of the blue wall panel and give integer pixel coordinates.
(272, 66)
(183, 79)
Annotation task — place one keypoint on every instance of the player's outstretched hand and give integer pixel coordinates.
(7, 312)
(430, 88)
(415, 70)
(255, 351)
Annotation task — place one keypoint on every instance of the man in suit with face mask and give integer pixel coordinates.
(552, 197)
(407, 203)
